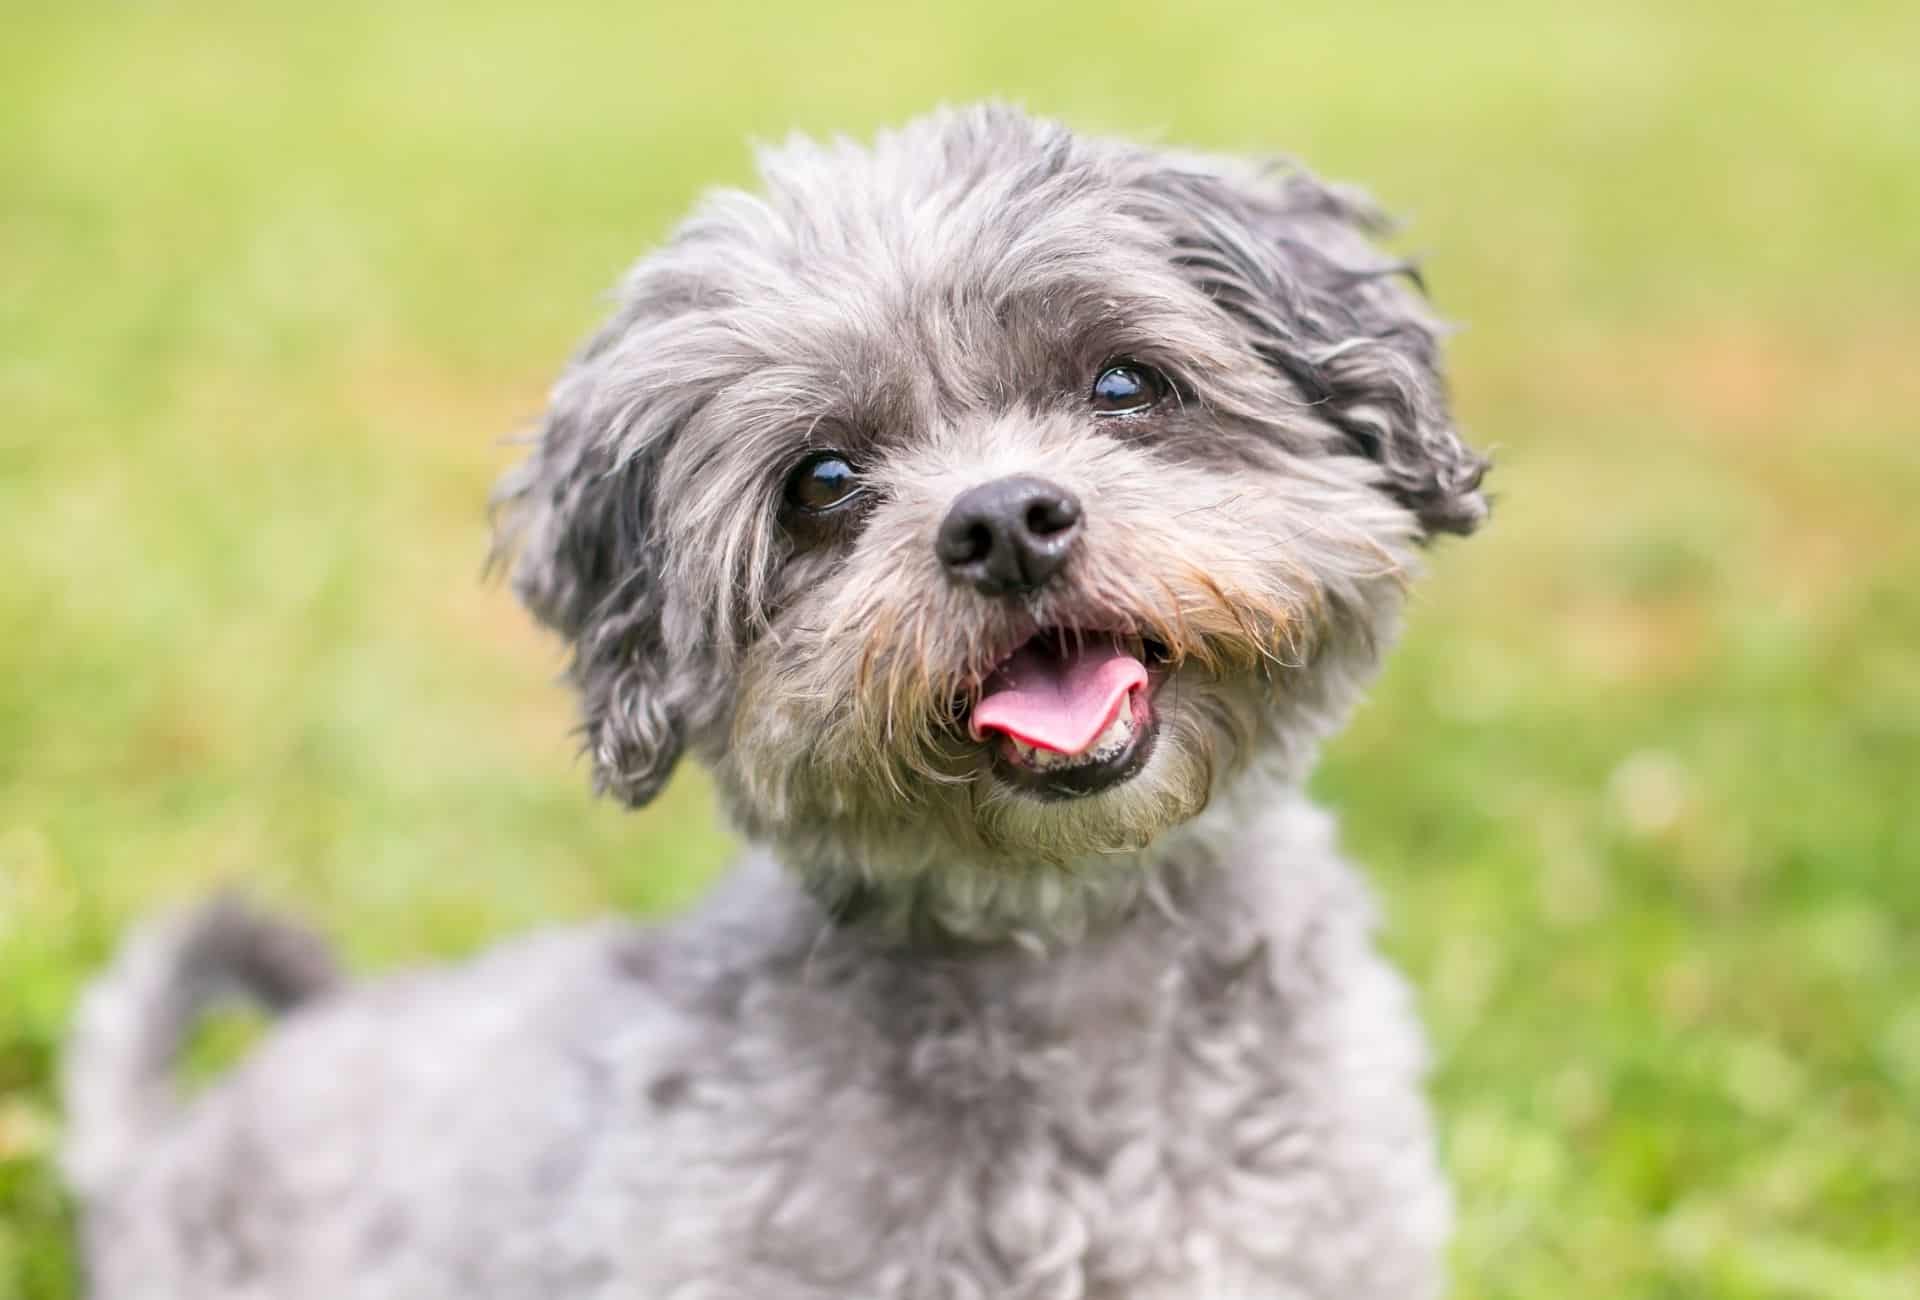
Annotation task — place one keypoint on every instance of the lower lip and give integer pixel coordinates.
(1093, 778)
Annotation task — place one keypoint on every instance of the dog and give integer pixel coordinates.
(1003, 516)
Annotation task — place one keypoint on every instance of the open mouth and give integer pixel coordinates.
(1070, 712)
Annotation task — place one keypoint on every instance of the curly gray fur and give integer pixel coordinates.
(937, 1038)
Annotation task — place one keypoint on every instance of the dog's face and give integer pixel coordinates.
(991, 497)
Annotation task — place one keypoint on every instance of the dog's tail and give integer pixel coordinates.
(133, 1022)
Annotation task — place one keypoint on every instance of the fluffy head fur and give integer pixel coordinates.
(936, 306)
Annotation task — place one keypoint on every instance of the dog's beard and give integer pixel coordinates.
(854, 744)
(962, 853)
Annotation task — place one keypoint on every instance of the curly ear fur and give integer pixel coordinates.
(1289, 257)
(576, 516)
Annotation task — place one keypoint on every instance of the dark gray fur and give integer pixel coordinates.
(936, 1038)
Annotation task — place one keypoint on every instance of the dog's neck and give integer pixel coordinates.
(1050, 908)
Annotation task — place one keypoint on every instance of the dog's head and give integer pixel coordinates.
(991, 497)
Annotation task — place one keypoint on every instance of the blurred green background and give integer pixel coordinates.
(1639, 791)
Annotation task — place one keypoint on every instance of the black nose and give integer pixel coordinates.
(1009, 536)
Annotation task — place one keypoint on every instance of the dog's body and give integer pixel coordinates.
(1217, 1098)
(1048, 982)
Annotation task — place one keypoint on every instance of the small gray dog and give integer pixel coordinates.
(1004, 516)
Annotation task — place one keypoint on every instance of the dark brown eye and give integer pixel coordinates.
(1127, 387)
(822, 482)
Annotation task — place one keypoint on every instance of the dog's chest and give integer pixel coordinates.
(1156, 1129)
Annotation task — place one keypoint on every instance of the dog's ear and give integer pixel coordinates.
(575, 521)
(1291, 259)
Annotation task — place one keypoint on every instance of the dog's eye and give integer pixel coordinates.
(822, 482)
(1127, 387)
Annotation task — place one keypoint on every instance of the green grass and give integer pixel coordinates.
(1639, 791)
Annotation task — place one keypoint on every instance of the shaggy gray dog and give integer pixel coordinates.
(1004, 516)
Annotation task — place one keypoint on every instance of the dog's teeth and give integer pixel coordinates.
(1114, 738)
(1109, 744)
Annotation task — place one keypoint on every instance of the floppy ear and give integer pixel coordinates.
(576, 518)
(1289, 258)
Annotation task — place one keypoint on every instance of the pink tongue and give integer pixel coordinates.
(1055, 701)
